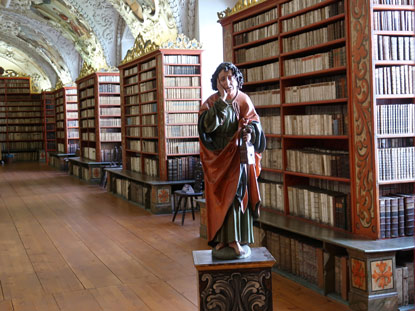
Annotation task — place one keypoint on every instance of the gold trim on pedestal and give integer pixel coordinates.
(239, 6)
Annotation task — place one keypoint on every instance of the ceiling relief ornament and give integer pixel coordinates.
(157, 23)
(239, 6)
(64, 16)
(141, 47)
(184, 12)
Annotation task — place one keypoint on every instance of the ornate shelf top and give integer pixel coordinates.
(239, 6)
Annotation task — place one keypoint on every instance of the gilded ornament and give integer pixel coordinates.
(239, 6)
(140, 48)
(58, 85)
(182, 42)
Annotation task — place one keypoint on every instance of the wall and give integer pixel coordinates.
(209, 33)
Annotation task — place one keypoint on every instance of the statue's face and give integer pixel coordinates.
(229, 83)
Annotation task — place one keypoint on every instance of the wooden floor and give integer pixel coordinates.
(67, 245)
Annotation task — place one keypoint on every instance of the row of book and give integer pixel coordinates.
(260, 73)
(88, 136)
(272, 195)
(182, 93)
(147, 97)
(313, 16)
(178, 118)
(307, 39)
(25, 108)
(266, 50)
(322, 206)
(109, 78)
(21, 128)
(21, 121)
(114, 111)
(90, 123)
(23, 136)
(395, 80)
(181, 70)
(317, 124)
(396, 164)
(181, 105)
(130, 80)
(110, 122)
(337, 88)
(175, 146)
(315, 62)
(148, 75)
(70, 107)
(272, 158)
(86, 103)
(396, 215)
(271, 124)
(257, 34)
(14, 83)
(133, 120)
(149, 119)
(181, 131)
(395, 142)
(20, 101)
(147, 86)
(19, 145)
(24, 114)
(181, 168)
(150, 166)
(394, 20)
(395, 119)
(88, 113)
(89, 153)
(394, 47)
(149, 131)
(86, 93)
(26, 156)
(109, 88)
(110, 137)
(256, 20)
(318, 161)
(148, 64)
(14, 91)
(122, 187)
(295, 5)
(265, 98)
(181, 81)
(181, 59)
(139, 193)
(397, 2)
(73, 123)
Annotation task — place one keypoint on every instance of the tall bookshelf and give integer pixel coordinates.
(309, 70)
(161, 95)
(49, 123)
(67, 119)
(99, 116)
(21, 119)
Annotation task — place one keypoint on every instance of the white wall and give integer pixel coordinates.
(210, 35)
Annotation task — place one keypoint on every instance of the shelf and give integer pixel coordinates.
(310, 8)
(392, 182)
(329, 71)
(334, 178)
(394, 96)
(338, 137)
(380, 136)
(393, 33)
(259, 61)
(317, 47)
(387, 7)
(320, 102)
(256, 42)
(393, 62)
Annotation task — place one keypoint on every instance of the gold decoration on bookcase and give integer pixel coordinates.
(13, 74)
(58, 85)
(86, 69)
(239, 6)
(182, 42)
(140, 48)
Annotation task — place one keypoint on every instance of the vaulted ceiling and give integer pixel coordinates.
(50, 40)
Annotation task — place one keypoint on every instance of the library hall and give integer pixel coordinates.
(184, 155)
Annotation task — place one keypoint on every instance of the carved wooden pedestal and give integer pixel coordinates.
(242, 284)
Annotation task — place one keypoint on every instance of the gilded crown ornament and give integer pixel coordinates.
(182, 42)
(140, 48)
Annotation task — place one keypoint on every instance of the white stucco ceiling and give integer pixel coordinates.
(51, 39)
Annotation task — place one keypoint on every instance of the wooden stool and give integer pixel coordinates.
(184, 195)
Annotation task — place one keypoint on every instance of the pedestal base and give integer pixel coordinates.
(238, 284)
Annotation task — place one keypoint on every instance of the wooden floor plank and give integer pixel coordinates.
(6, 305)
(51, 268)
(158, 295)
(77, 301)
(118, 298)
(91, 272)
(123, 257)
(38, 303)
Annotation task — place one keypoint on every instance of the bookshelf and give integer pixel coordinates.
(161, 96)
(314, 71)
(67, 119)
(99, 116)
(49, 123)
(21, 126)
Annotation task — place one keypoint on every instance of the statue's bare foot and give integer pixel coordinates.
(219, 246)
(237, 248)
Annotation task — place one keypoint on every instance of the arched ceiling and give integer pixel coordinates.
(50, 40)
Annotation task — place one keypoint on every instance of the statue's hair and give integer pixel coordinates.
(226, 66)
